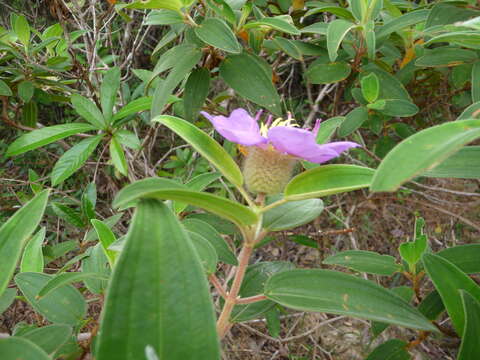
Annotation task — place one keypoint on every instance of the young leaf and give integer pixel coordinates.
(370, 87)
(339, 293)
(428, 147)
(15, 232)
(158, 269)
(22, 30)
(45, 136)
(205, 145)
(74, 158)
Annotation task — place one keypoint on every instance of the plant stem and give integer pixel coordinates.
(223, 323)
(215, 282)
(251, 299)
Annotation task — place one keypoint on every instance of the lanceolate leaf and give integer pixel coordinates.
(106, 237)
(428, 148)
(14, 234)
(366, 261)
(108, 91)
(465, 257)
(339, 293)
(74, 158)
(118, 156)
(337, 30)
(44, 136)
(156, 188)
(448, 279)
(328, 180)
(158, 271)
(66, 278)
(292, 214)
(205, 145)
(464, 164)
(32, 259)
(216, 32)
(87, 109)
(470, 347)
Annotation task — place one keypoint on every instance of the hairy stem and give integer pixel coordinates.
(223, 323)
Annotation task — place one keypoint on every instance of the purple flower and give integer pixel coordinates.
(242, 129)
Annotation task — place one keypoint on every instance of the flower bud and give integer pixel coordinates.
(266, 170)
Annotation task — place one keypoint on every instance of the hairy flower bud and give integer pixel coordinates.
(266, 170)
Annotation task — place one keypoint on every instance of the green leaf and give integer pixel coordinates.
(253, 82)
(408, 19)
(198, 183)
(49, 338)
(393, 349)
(22, 30)
(292, 214)
(394, 107)
(365, 261)
(68, 214)
(328, 73)
(470, 347)
(25, 90)
(22, 349)
(428, 147)
(7, 299)
(336, 32)
(157, 270)
(432, 305)
(64, 305)
(15, 232)
(133, 107)
(464, 164)
(89, 200)
(327, 128)
(339, 293)
(118, 156)
(32, 259)
(277, 23)
(96, 262)
(63, 279)
(44, 136)
(476, 82)
(108, 92)
(253, 284)
(328, 180)
(448, 279)
(74, 158)
(157, 188)
(196, 91)
(470, 111)
(412, 251)
(205, 145)
(217, 33)
(175, 5)
(289, 47)
(163, 17)
(444, 56)
(87, 109)
(30, 114)
(465, 257)
(468, 39)
(336, 10)
(390, 86)
(205, 251)
(211, 235)
(107, 238)
(353, 121)
(5, 89)
(370, 87)
(165, 88)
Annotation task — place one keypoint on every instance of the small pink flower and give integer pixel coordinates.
(242, 129)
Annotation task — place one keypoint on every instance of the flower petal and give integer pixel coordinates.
(239, 127)
(301, 143)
